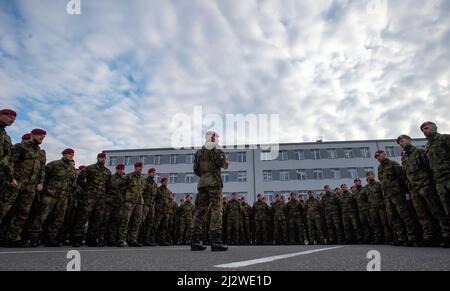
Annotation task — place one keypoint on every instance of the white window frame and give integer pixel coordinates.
(242, 157)
(352, 170)
(316, 174)
(365, 152)
(267, 175)
(334, 171)
(225, 177)
(390, 152)
(314, 152)
(172, 178)
(242, 176)
(348, 153)
(300, 155)
(157, 160)
(301, 174)
(332, 154)
(189, 179)
(112, 161)
(284, 175)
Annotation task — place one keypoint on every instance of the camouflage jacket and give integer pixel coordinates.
(246, 211)
(234, 208)
(187, 210)
(293, 209)
(260, 209)
(6, 166)
(60, 178)
(207, 165)
(134, 185)
(361, 199)
(162, 199)
(392, 178)
(348, 202)
(312, 207)
(330, 203)
(150, 190)
(279, 209)
(97, 180)
(116, 193)
(417, 169)
(375, 195)
(438, 153)
(29, 165)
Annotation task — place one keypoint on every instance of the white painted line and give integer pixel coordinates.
(81, 250)
(273, 258)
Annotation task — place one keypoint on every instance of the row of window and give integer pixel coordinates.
(316, 174)
(189, 178)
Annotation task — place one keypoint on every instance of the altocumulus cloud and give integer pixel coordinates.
(114, 76)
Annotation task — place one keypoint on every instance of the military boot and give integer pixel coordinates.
(217, 245)
(196, 244)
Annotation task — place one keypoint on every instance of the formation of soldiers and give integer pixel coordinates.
(56, 204)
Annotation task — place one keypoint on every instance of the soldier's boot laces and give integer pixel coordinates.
(217, 245)
(196, 244)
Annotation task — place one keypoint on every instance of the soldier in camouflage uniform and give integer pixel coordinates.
(134, 185)
(260, 217)
(29, 171)
(224, 218)
(234, 213)
(294, 220)
(393, 182)
(91, 208)
(207, 165)
(314, 218)
(60, 180)
(362, 201)
(349, 215)
(148, 213)
(246, 214)
(279, 221)
(377, 209)
(425, 198)
(161, 221)
(115, 200)
(186, 220)
(171, 226)
(331, 206)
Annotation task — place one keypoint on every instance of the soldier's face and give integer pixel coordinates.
(164, 183)
(101, 160)
(152, 174)
(38, 138)
(370, 177)
(310, 195)
(138, 169)
(68, 157)
(120, 172)
(381, 157)
(358, 182)
(404, 142)
(7, 119)
(428, 130)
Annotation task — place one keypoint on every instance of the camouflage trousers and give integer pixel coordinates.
(245, 230)
(185, 233)
(366, 225)
(206, 228)
(114, 214)
(171, 228)
(7, 198)
(296, 230)
(91, 210)
(443, 189)
(349, 222)
(160, 225)
(400, 217)
(69, 220)
(20, 213)
(334, 227)
(260, 229)
(315, 228)
(50, 211)
(233, 229)
(380, 224)
(279, 229)
(131, 222)
(148, 217)
(428, 206)
(208, 199)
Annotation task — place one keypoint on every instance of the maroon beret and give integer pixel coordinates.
(26, 136)
(68, 151)
(8, 112)
(151, 170)
(138, 165)
(101, 155)
(81, 168)
(427, 123)
(163, 179)
(120, 167)
(38, 131)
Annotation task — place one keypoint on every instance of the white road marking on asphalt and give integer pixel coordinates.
(89, 250)
(273, 258)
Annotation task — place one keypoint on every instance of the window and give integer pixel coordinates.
(269, 196)
(301, 174)
(112, 161)
(315, 154)
(190, 159)
(318, 174)
(157, 160)
(284, 175)
(352, 173)
(335, 174)
(300, 155)
(242, 176)
(390, 152)
(127, 161)
(172, 178)
(332, 154)
(283, 156)
(157, 178)
(173, 159)
(142, 159)
(365, 152)
(266, 156)
(242, 157)
(267, 176)
(189, 178)
(225, 177)
(348, 153)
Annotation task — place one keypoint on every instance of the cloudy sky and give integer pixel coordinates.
(114, 76)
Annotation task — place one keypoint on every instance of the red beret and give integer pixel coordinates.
(68, 151)
(120, 167)
(101, 155)
(427, 123)
(378, 152)
(26, 136)
(163, 179)
(38, 131)
(81, 168)
(8, 112)
(138, 165)
(151, 170)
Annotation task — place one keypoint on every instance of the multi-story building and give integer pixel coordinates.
(299, 167)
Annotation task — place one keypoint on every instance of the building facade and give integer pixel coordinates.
(299, 167)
